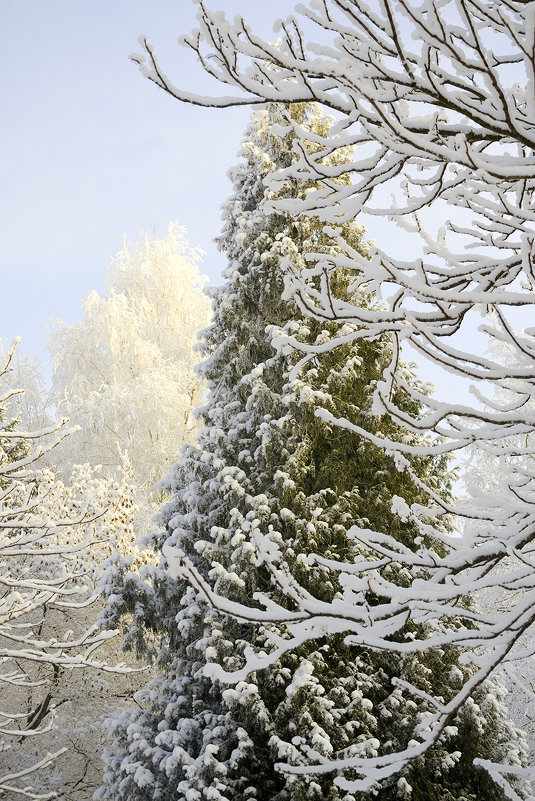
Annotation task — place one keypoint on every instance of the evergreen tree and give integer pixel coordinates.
(265, 462)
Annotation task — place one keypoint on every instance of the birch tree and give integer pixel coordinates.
(436, 98)
(125, 373)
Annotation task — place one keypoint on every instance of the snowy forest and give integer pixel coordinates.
(274, 540)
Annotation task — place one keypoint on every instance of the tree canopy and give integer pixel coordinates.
(125, 373)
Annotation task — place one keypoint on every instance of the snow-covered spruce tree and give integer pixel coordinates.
(125, 372)
(266, 463)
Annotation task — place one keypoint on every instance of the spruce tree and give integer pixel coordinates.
(264, 461)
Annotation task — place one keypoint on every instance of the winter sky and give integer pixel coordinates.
(92, 151)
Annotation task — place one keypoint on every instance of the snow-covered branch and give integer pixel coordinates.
(45, 577)
(435, 100)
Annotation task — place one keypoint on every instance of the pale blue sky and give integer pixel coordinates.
(90, 150)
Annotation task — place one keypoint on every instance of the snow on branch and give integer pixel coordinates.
(43, 577)
(436, 101)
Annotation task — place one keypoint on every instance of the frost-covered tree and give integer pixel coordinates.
(32, 403)
(76, 729)
(125, 373)
(436, 96)
(44, 587)
(125, 376)
(267, 469)
(93, 516)
(486, 468)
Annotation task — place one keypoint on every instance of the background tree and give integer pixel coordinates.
(427, 97)
(71, 704)
(125, 373)
(483, 473)
(43, 590)
(266, 467)
(32, 402)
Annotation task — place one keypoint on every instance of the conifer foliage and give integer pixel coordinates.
(265, 463)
